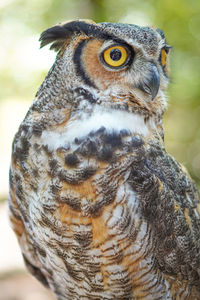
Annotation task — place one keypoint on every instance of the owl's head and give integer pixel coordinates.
(112, 64)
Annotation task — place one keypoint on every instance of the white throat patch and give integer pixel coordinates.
(79, 127)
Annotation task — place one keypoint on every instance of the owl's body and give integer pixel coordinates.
(101, 211)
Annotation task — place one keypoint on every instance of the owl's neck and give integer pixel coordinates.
(116, 98)
(83, 121)
(124, 102)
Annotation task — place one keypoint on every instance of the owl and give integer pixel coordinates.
(100, 209)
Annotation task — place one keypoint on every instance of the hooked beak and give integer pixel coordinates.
(151, 84)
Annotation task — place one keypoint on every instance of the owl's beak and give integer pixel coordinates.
(151, 84)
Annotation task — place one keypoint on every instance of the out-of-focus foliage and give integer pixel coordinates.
(23, 66)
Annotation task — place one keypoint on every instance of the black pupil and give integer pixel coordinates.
(115, 54)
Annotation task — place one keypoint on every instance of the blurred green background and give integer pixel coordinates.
(23, 67)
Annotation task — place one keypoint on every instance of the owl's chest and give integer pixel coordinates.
(89, 156)
(96, 245)
(87, 218)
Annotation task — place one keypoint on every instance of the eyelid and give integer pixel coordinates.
(115, 45)
(167, 48)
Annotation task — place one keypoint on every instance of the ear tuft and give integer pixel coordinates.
(57, 35)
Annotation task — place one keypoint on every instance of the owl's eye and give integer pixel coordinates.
(163, 55)
(115, 56)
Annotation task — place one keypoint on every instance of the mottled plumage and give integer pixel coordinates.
(100, 209)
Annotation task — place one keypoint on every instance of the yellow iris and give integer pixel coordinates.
(163, 57)
(115, 56)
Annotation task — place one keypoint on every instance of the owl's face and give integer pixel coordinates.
(117, 64)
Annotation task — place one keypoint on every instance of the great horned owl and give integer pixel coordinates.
(100, 210)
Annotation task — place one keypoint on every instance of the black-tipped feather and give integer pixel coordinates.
(54, 34)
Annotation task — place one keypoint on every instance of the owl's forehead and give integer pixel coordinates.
(133, 34)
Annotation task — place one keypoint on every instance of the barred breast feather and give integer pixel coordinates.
(103, 210)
